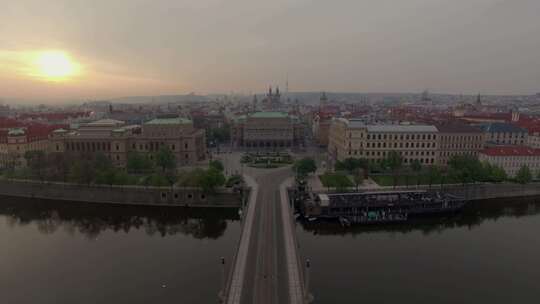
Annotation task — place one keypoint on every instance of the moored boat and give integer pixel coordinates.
(380, 206)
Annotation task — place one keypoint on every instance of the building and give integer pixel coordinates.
(267, 130)
(353, 138)
(512, 158)
(498, 133)
(115, 139)
(272, 102)
(458, 139)
(322, 120)
(18, 141)
(321, 128)
(533, 140)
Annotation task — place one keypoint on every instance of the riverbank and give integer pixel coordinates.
(124, 195)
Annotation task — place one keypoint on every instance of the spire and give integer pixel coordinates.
(255, 101)
(479, 100)
(277, 90)
(323, 97)
(270, 91)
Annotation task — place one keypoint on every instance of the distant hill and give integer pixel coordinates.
(161, 99)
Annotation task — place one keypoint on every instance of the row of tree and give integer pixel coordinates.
(158, 169)
(461, 169)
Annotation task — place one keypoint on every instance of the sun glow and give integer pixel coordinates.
(55, 65)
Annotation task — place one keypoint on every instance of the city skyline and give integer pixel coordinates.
(65, 51)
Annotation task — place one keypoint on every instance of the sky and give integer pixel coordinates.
(136, 47)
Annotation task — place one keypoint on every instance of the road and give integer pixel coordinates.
(266, 279)
(266, 275)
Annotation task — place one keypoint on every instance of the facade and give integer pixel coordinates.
(321, 130)
(458, 139)
(16, 143)
(272, 102)
(512, 158)
(504, 134)
(353, 138)
(321, 122)
(267, 130)
(533, 140)
(115, 139)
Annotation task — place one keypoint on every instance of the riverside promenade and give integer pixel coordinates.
(121, 195)
(267, 267)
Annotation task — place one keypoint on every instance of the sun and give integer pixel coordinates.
(55, 65)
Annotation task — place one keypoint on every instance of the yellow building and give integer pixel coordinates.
(17, 142)
(267, 130)
(115, 139)
(458, 139)
(353, 138)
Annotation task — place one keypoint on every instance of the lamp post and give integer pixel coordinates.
(222, 292)
(308, 298)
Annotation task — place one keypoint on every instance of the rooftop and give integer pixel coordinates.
(457, 128)
(500, 127)
(354, 123)
(269, 115)
(16, 132)
(511, 151)
(401, 128)
(105, 122)
(168, 121)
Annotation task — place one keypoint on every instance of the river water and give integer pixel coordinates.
(84, 253)
(488, 254)
(78, 253)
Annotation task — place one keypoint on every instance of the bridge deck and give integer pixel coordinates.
(267, 267)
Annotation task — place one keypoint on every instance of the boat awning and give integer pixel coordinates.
(324, 199)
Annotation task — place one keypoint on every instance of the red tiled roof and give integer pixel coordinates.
(498, 116)
(511, 151)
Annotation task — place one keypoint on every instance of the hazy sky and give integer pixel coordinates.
(134, 47)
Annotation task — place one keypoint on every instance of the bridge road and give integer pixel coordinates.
(266, 277)
(266, 268)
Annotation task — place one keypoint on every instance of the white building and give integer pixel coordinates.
(512, 158)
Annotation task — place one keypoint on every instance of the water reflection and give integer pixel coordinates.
(93, 219)
(474, 215)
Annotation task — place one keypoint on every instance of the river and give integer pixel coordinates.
(490, 253)
(84, 253)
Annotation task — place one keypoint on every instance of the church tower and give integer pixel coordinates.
(254, 103)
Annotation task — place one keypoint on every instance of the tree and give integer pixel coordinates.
(82, 171)
(75, 173)
(466, 168)
(36, 163)
(211, 179)
(524, 175)
(352, 164)
(358, 177)
(157, 180)
(498, 174)
(433, 173)
(416, 167)
(105, 177)
(394, 161)
(138, 163)
(219, 135)
(165, 159)
(102, 162)
(216, 164)
(304, 166)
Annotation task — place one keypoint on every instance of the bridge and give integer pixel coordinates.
(267, 267)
